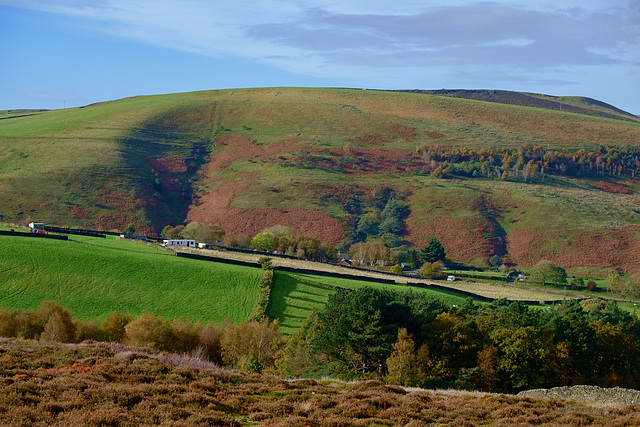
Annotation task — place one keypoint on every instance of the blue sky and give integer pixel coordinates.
(58, 53)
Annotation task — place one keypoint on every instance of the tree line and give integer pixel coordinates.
(252, 343)
(526, 162)
(414, 340)
(405, 338)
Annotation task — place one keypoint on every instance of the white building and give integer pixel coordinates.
(180, 242)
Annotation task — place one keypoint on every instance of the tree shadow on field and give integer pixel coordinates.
(286, 294)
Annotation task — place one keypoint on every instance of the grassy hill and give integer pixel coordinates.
(318, 160)
(92, 277)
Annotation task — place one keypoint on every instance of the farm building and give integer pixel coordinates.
(180, 242)
(36, 227)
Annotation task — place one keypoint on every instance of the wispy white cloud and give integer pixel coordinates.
(381, 42)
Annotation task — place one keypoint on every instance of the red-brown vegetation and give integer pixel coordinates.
(121, 202)
(606, 248)
(169, 164)
(128, 386)
(612, 187)
(215, 207)
(404, 132)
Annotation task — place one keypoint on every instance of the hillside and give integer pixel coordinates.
(111, 384)
(573, 104)
(485, 178)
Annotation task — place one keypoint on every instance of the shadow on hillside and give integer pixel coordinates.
(163, 159)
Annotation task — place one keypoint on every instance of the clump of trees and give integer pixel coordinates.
(380, 216)
(414, 340)
(623, 285)
(527, 162)
(208, 233)
(281, 239)
(530, 162)
(547, 272)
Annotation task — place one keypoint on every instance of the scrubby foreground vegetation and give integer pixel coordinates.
(97, 384)
(407, 339)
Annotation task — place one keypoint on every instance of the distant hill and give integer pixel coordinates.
(573, 104)
(488, 179)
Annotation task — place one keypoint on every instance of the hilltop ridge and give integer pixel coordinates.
(573, 104)
(485, 178)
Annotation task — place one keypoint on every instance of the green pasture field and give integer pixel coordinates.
(293, 296)
(93, 276)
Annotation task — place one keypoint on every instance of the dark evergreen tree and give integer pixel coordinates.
(433, 252)
(357, 329)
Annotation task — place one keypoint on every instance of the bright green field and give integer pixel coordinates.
(92, 277)
(293, 296)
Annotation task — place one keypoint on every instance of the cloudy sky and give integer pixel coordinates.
(58, 53)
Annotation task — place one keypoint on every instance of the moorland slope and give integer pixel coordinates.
(486, 178)
(111, 384)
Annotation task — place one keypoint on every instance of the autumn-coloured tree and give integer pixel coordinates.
(210, 342)
(149, 330)
(401, 365)
(486, 377)
(113, 326)
(210, 233)
(431, 270)
(396, 269)
(258, 339)
(7, 324)
(89, 330)
(617, 358)
(60, 327)
(184, 335)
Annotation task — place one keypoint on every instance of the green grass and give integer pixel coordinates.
(108, 183)
(293, 296)
(93, 277)
(293, 299)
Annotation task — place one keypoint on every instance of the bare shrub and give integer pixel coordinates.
(60, 327)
